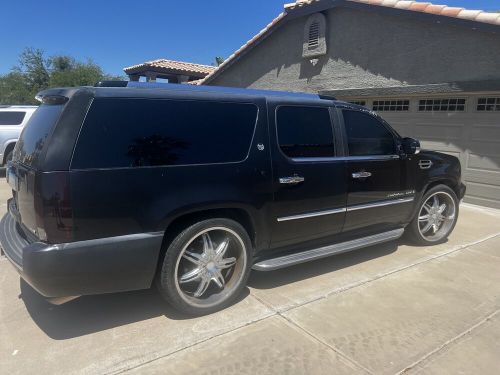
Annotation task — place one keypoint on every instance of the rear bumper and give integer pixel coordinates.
(84, 267)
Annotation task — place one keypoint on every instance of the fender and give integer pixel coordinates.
(258, 218)
(6, 144)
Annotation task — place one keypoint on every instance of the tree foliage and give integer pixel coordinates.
(35, 72)
(218, 60)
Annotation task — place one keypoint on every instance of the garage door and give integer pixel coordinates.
(466, 126)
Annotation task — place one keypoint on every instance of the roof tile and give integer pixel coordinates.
(403, 4)
(469, 14)
(418, 7)
(451, 11)
(493, 18)
(434, 9)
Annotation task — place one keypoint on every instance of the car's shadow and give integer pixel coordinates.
(89, 314)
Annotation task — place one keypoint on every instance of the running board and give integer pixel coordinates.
(322, 252)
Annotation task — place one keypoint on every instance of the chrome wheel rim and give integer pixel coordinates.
(437, 216)
(210, 267)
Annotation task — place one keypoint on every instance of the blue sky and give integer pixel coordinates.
(116, 33)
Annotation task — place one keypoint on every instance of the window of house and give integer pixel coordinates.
(442, 105)
(314, 43)
(366, 135)
(391, 105)
(11, 118)
(305, 131)
(488, 104)
(359, 102)
(120, 132)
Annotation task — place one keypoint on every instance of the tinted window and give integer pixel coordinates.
(35, 133)
(153, 132)
(11, 118)
(305, 132)
(366, 135)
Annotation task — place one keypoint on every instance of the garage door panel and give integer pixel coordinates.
(436, 131)
(440, 146)
(485, 133)
(483, 194)
(483, 162)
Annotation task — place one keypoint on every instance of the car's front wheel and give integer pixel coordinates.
(206, 266)
(436, 216)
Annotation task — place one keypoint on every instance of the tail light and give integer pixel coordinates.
(54, 214)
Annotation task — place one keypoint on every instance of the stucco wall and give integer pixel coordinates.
(368, 49)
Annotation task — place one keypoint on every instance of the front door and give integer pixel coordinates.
(309, 177)
(380, 187)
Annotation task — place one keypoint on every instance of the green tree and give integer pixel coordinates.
(218, 60)
(35, 73)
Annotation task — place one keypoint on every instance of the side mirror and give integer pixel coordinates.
(411, 146)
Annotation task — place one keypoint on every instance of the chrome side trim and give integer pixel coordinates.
(312, 214)
(322, 252)
(380, 204)
(346, 158)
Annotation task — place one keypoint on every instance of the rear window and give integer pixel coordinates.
(34, 135)
(158, 132)
(11, 118)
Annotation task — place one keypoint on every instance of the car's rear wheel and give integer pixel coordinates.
(206, 266)
(436, 216)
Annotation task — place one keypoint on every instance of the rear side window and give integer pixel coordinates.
(34, 135)
(366, 135)
(158, 132)
(11, 118)
(305, 131)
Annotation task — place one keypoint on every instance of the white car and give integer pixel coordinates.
(12, 121)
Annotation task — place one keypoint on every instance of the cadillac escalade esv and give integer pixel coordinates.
(116, 188)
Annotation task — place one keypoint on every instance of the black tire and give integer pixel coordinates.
(9, 156)
(176, 265)
(417, 226)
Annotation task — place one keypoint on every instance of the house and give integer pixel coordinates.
(432, 71)
(173, 71)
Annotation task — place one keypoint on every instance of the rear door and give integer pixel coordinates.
(308, 176)
(380, 188)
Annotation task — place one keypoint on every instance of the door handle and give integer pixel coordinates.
(361, 174)
(291, 180)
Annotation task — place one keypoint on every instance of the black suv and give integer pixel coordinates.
(116, 187)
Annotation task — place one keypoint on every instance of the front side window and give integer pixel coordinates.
(121, 132)
(366, 135)
(305, 131)
(11, 118)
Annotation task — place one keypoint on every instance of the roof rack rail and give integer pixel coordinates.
(111, 84)
(327, 97)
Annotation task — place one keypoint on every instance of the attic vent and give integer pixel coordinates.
(313, 35)
(314, 43)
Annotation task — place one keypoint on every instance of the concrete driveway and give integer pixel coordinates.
(383, 310)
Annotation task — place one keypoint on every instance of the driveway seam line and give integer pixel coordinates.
(298, 326)
(331, 347)
(449, 342)
(394, 271)
(126, 369)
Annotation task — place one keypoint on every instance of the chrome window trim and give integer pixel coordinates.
(312, 214)
(388, 202)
